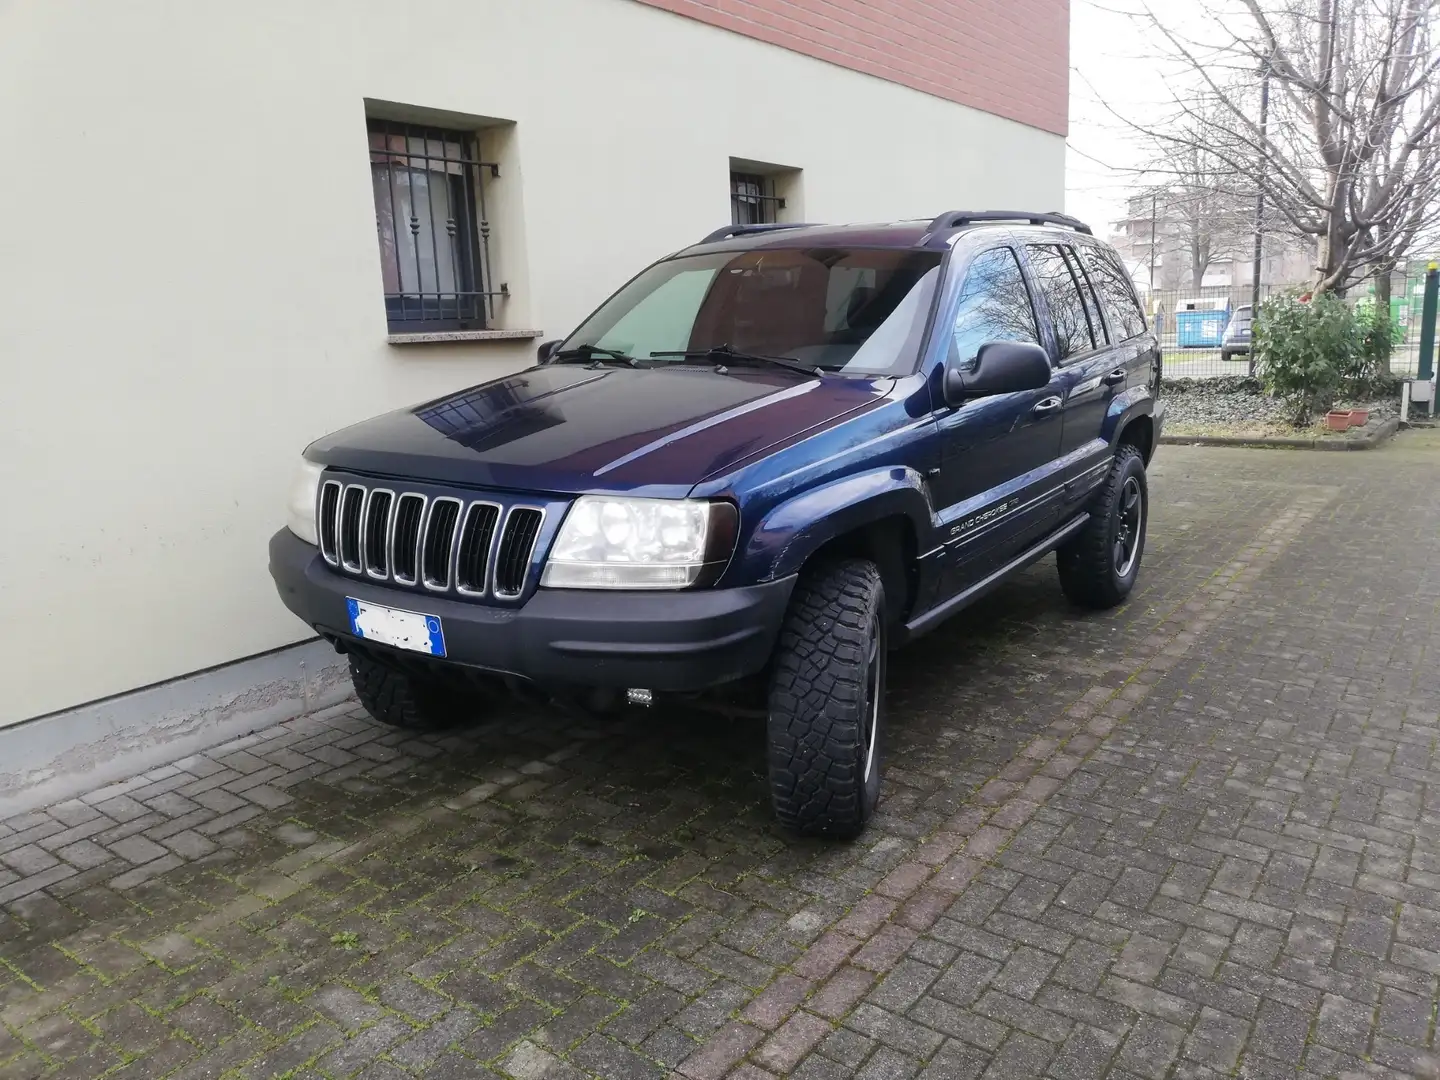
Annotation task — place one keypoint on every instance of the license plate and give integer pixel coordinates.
(391, 626)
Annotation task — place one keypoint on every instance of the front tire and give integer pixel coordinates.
(1099, 565)
(827, 702)
(407, 701)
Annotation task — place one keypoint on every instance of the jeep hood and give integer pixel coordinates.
(567, 428)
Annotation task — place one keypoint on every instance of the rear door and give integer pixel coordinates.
(1091, 371)
(1134, 350)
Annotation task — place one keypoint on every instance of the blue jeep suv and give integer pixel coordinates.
(767, 459)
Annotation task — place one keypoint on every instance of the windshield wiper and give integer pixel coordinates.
(725, 352)
(587, 352)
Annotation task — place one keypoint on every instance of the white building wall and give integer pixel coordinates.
(190, 281)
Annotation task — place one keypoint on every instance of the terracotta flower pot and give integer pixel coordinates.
(1337, 420)
(1359, 417)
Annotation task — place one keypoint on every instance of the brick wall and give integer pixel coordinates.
(1007, 57)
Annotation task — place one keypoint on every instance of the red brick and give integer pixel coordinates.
(1040, 788)
(966, 821)
(884, 950)
(996, 792)
(1061, 766)
(903, 880)
(1040, 749)
(1019, 770)
(722, 1050)
(956, 874)
(987, 842)
(784, 1050)
(779, 1000)
(869, 914)
(1007, 57)
(838, 996)
(827, 954)
(1014, 813)
(939, 848)
(925, 907)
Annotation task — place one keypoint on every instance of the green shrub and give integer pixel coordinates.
(1306, 353)
(1378, 336)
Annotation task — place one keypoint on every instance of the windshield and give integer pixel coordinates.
(854, 311)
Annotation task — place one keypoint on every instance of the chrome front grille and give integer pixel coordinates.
(405, 539)
(439, 543)
(522, 528)
(477, 536)
(438, 548)
(375, 534)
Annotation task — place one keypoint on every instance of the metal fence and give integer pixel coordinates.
(1191, 323)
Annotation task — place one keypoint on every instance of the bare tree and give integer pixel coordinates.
(1206, 212)
(1350, 153)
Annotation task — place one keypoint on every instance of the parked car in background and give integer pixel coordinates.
(1236, 340)
(770, 457)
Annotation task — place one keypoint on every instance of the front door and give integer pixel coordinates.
(998, 453)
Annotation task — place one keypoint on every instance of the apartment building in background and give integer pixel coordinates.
(1160, 239)
(242, 226)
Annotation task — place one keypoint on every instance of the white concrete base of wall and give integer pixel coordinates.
(56, 757)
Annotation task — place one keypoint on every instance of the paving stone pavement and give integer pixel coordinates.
(1191, 838)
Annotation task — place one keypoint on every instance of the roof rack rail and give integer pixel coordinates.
(743, 230)
(953, 219)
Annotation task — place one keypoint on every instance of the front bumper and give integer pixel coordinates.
(659, 640)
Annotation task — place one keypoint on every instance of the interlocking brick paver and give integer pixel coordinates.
(1190, 838)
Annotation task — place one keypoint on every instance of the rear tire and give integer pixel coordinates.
(407, 701)
(1098, 566)
(827, 702)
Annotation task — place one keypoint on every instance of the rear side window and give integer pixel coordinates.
(1087, 294)
(995, 305)
(1062, 295)
(1113, 284)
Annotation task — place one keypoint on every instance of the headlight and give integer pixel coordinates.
(607, 543)
(300, 507)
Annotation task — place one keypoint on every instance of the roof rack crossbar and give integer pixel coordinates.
(742, 230)
(953, 219)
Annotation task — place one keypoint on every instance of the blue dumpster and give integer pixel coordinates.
(1200, 324)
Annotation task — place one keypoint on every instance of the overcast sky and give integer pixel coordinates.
(1113, 65)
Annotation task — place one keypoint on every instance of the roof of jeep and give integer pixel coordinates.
(920, 233)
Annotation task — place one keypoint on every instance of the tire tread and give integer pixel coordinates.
(1087, 575)
(817, 693)
(394, 699)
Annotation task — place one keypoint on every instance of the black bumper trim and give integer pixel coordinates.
(659, 640)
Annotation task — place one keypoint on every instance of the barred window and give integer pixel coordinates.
(429, 188)
(753, 200)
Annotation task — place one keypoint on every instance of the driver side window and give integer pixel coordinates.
(994, 305)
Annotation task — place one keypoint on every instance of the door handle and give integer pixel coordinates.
(1048, 405)
(1119, 375)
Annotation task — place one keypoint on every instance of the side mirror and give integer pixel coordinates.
(1001, 367)
(547, 351)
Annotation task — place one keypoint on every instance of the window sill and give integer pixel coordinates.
(437, 337)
